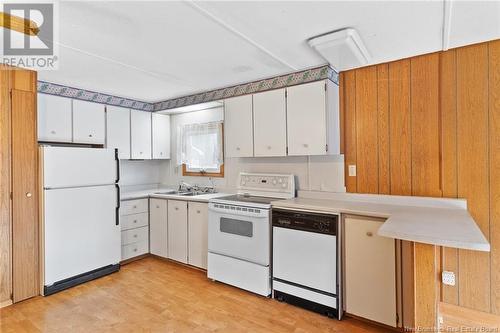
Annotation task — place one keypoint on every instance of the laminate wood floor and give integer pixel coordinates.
(152, 295)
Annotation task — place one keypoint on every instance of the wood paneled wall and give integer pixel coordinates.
(430, 126)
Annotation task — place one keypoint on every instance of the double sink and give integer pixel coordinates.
(183, 193)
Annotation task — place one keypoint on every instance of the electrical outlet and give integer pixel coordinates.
(448, 278)
(352, 170)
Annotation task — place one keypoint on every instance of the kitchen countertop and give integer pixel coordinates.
(151, 192)
(421, 221)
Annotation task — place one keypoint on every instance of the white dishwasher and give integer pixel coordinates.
(306, 264)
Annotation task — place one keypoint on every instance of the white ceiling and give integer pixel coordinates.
(154, 51)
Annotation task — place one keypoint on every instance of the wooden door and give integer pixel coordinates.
(118, 130)
(198, 234)
(238, 126)
(177, 230)
(158, 237)
(24, 195)
(88, 122)
(269, 117)
(306, 119)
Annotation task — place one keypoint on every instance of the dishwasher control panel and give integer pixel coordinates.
(306, 221)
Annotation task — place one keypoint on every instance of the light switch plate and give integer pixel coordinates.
(352, 170)
(448, 278)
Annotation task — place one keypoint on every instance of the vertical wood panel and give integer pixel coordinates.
(425, 126)
(342, 111)
(400, 127)
(425, 280)
(5, 176)
(448, 100)
(384, 185)
(472, 154)
(25, 208)
(366, 130)
(494, 167)
(350, 128)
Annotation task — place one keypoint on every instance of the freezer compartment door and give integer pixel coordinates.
(80, 231)
(76, 167)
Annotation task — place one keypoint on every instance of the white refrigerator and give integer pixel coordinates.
(81, 231)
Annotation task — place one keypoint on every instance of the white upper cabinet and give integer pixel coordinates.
(313, 119)
(88, 122)
(118, 130)
(54, 118)
(140, 134)
(238, 126)
(161, 136)
(269, 116)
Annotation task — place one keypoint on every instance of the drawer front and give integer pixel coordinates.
(134, 221)
(134, 206)
(135, 235)
(134, 249)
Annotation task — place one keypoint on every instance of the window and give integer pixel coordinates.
(201, 149)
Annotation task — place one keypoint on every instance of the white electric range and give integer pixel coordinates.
(239, 231)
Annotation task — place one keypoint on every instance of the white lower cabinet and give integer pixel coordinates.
(370, 271)
(135, 228)
(177, 230)
(198, 234)
(158, 231)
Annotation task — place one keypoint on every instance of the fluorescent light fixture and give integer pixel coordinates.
(343, 49)
(194, 107)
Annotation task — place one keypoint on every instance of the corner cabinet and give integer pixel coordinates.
(88, 122)
(118, 130)
(370, 271)
(140, 135)
(269, 118)
(158, 233)
(54, 119)
(161, 135)
(313, 125)
(238, 126)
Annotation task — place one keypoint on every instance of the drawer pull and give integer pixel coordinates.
(53, 132)
(90, 135)
(135, 236)
(269, 147)
(198, 211)
(134, 207)
(140, 152)
(369, 233)
(135, 221)
(306, 145)
(238, 148)
(176, 208)
(135, 250)
(157, 206)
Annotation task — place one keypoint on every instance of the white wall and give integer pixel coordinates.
(315, 173)
(141, 172)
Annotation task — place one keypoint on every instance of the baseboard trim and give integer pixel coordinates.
(453, 316)
(5, 303)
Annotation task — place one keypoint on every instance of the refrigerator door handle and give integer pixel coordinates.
(117, 166)
(117, 211)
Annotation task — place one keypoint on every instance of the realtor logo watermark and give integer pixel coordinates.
(30, 35)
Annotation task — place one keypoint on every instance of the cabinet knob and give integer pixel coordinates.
(135, 250)
(135, 236)
(53, 132)
(157, 206)
(140, 152)
(161, 153)
(237, 148)
(369, 233)
(90, 135)
(28, 194)
(306, 145)
(269, 147)
(135, 207)
(135, 221)
(198, 212)
(176, 208)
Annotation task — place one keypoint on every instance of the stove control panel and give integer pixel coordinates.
(273, 184)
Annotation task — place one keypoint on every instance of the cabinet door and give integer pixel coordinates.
(118, 130)
(54, 119)
(306, 119)
(158, 227)
(161, 136)
(177, 230)
(198, 234)
(269, 116)
(370, 271)
(88, 122)
(238, 126)
(140, 134)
